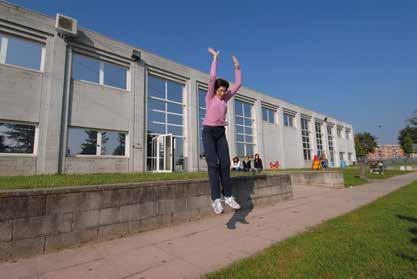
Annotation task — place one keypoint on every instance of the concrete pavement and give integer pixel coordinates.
(193, 249)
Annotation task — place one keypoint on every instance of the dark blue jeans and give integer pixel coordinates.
(216, 151)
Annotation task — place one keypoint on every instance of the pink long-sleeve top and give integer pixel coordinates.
(216, 108)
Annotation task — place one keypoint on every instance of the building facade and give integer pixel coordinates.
(84, 104)
(387, 152)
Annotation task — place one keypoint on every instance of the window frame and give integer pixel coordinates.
(305, 134)
(4, 42)
(99, 144)
(290, 118)
(101, 71)
(35, 140)
(244, 134)
(270, 113)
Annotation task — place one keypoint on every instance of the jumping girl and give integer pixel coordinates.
(214, 138)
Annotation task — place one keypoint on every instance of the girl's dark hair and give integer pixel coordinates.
(220, 82)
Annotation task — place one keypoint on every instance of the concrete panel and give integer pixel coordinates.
(101, 107)
(20, 94)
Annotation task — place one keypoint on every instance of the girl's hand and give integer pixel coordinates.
(235, 62)
(213, 52)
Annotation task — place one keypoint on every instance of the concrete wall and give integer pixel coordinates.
(39, 221)
(53, 102)
(331, 179)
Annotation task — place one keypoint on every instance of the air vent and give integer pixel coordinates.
(66, 25)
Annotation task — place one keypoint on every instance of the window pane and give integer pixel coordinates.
(175, 108)
(24, 53)
(179, 154)
(248, 122)
(238, 108)
(249, 139)
(174, 91)
(156, 87)
(156, 116)
(115, 75)
(248, 131)
(201, 148)
(264, 114)
(156, 104)
(202, 113)
(202, 98)
(239, 120)
(113, 143)
(16, 138)
(175, 119)
(271, 116)
(156, 128)
(249, 150)
(247, 109)
(85, 68)
(81, 141)
(239, 137)
(240, 151)
(239, 129)
(286, 123)
(175, 130)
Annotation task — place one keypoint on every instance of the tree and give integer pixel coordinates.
(23, 136)
(120, 149)
(90, 145)
(407, 131)
(365, 143)
(407, 145)
(2, 144)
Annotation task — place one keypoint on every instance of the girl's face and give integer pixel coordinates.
(221, 92)
(246, 158)
(256, 156)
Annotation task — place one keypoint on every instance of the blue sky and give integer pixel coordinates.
(354, 60)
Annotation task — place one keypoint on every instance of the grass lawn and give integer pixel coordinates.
(352, 178)
(49, 181)
(375, 241)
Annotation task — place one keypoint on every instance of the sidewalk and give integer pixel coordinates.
(193, 249)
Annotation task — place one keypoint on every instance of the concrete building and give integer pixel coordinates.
(387, 152)
(85, 104)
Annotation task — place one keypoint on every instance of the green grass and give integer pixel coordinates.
(375, 241)
(49, 181)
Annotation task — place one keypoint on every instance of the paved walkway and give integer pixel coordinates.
(193, 249)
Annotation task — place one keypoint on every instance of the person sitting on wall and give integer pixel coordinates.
(257, 163)
(247, 164)
(236, 164)
(323, 160)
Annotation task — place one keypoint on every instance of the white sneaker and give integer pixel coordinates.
(230, 201)
(217, 206)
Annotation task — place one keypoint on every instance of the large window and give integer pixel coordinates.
(83, 141)
(319, 138)
(21, 52)
(90, 69)
(244, 129)
(17, 138)
(305, 134)
(347, 132)
(339, 132)
(165, 116)
(288, 120)
(330, 140)
(268, 115)
(201, 115)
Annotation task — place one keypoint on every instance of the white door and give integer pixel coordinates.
(162, 151)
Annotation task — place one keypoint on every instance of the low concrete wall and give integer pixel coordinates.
(39, 221)
(331, 178)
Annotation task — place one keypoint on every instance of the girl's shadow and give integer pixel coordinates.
(243, 188)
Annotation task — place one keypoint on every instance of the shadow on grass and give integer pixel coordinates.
(412, 230)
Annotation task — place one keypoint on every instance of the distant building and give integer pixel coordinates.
(387, 152)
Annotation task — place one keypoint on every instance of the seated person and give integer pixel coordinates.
(236, 164)
(247, 164)
(257, 162)
(323, 160)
